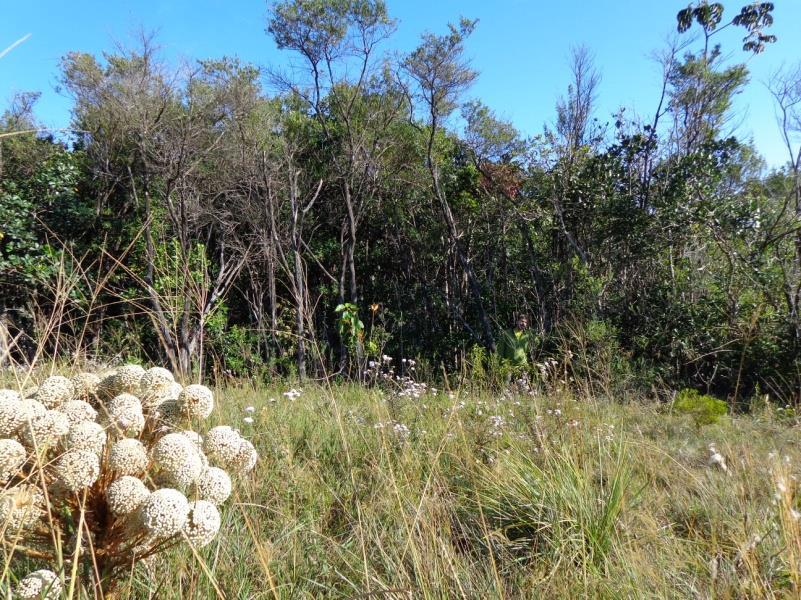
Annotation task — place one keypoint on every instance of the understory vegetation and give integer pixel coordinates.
(226, 219)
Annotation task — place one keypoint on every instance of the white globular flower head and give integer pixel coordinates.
(12, 413)
(31, 409)
(86, 386)
(6, 394)
(128, 456)
(124, 414)
(246, 457)
(21, 507)
(12, 457)
(222, 445)
(128, 378)
(125, 495)
(77, 469)
(202, 523)
(39, 584)
(178, 458)
(155, 379)
(78, 411)
(54, 391)
(213, 485)
(196, 401)
(164, 512)
(86, 435)
(163, 402)
(45, 430)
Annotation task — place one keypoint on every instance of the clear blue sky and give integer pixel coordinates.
(520, 47)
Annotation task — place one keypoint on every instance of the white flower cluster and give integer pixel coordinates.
(121, 440)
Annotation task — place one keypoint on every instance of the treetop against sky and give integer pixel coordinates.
(520, 48)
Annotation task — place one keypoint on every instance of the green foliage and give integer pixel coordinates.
(704, 409)
(349, 325)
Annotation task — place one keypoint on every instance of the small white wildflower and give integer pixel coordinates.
(250, 409)
(248, 420)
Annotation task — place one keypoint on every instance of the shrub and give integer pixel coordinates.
(704, 409)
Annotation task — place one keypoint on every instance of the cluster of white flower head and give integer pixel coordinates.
(39, 584)
(226, 448)
(123, 414)
(45, 430)
(78, 411)
(164, 512)
(120, 440)
(12, 415)
(213, 485)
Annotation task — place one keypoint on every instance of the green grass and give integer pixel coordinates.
(561, 497)
(602, 500)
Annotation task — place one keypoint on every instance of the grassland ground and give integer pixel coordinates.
(364, 493)
(373, 492)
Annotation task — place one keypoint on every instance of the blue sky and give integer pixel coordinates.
(520, 48)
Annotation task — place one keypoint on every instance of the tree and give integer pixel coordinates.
(440, 75)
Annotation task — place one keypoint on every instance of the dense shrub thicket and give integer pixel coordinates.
(199, 219)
